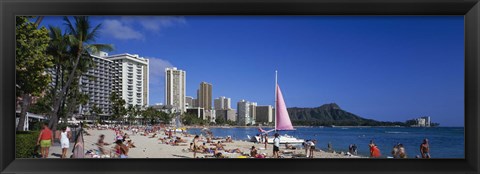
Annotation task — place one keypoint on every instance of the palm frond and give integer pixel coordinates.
(92, 35)
(95, 48)
(70, 27)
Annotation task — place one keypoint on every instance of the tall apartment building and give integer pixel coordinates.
(222, 103)
(204, 96)
(243, 113)
(131, 78)
(253, 112)
(97, 84)
(264, 114)
(175, 88)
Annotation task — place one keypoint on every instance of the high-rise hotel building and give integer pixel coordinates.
(175, 88)
(130, 78)
(97, 84)
(222, 103)
(204, 96)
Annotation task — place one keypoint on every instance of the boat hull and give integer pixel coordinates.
(284, 139)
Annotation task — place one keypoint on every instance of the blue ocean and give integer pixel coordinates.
(445, 142)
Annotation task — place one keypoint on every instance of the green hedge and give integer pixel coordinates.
(25, 143)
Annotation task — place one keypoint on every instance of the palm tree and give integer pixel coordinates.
(81, 37)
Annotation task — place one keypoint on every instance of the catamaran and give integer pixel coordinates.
(282, 121)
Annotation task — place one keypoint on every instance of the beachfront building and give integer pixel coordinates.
(175, 87)
(210, 115)
(130, 78)
(97, 84)
(222, 103)
(195, 102)
(264, 114)
(253, 112)
(243, 113)
(188, 102)
(226, 114)
(204, 96)
(199, 112)
(169, 109)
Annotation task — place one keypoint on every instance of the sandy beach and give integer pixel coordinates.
(147, 147)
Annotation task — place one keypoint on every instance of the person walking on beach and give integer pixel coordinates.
(266, 141)
(276, 146)
(65, 141)
(425, 149)
(195, 142)
(45, 140)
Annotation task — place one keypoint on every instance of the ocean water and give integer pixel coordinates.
(445, 142)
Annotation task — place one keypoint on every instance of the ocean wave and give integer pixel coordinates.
(396, 132)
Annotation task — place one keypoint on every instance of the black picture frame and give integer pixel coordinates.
(9, 9)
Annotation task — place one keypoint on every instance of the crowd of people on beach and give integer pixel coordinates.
(206, 144)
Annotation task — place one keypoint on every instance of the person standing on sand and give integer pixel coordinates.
(306, 145)
(195, 146)
(329, 146)
(311, 144)
(45, 140)
(266, 141)
(354, 148)
(425, 149)
(276, 146)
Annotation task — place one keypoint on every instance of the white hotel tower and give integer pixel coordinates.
(130, 78)
(175, 88)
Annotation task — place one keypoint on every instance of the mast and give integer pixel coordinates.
(276, 101)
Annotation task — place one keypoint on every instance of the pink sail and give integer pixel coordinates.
(283, 120)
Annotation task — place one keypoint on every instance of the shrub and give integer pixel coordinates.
(25, 142)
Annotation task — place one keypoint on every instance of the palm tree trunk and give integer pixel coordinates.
(56, 102)
(23, 112)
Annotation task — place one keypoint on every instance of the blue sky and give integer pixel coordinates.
(389, 68)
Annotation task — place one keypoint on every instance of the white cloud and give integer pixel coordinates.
(154, 23)
(159, 22)
(136, 27)
(157, 69)
(120, 31)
